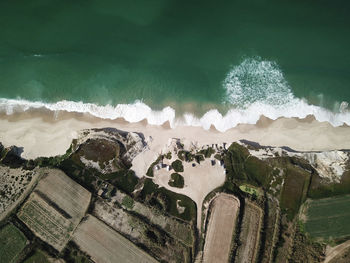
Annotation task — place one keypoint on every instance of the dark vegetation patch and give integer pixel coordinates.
(37, 256)
(73, 254)
(207, 152)
(177, 180)
(12, 242)
(320, 189)
(294, 191)
(150, 169)
(305, 250)
(11, 157)
(243, 168)
(177, 166)
(165, 200)
(125, 180)
(185, 156)
(199, 158)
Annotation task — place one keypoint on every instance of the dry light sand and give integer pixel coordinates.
(47, 134)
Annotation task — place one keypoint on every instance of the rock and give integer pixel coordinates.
(108, 150)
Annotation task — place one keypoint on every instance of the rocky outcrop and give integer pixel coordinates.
(108, 150)
(330, 165)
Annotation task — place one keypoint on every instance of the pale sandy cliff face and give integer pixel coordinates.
(330, 165)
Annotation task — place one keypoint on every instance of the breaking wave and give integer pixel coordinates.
(253, 88)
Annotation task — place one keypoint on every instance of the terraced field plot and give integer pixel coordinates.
(105, 245)
(250, 233)
(329, 217)
(12, 242)
(220, 229)
(55, 208)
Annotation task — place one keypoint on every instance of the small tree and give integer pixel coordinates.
(177, 165)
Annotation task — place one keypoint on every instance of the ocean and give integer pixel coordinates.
(198, 63)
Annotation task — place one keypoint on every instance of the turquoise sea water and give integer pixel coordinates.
(277, 58)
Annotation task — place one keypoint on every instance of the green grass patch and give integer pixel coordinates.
(243, 168)
(321, 190)
(128, 202)
(177, 180)
(177, 166)
(328, 218)
(124, 180)
(38, 257)
(249, 189)
(12, 242)
(294, 190)
(165, 200)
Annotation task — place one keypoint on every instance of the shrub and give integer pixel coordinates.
(177, 165)
(176, 180)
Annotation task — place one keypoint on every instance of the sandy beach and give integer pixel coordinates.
(45, 133)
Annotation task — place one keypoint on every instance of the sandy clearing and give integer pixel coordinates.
(332, 252)
(199, 181)
(221, 226)
(105, 245)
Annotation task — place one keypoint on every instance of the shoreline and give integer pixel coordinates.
(48, 133)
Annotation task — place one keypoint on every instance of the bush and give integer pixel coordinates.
(177, 165)
(177, 180)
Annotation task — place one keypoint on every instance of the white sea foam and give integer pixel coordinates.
(139, 111)
(253, 88)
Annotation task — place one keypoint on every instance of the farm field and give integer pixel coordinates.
(250, 233)
(38, 257)
(220, 229)
(55, 208)
(12, 242)
(328, 218)
(105, 245)
(162, 246)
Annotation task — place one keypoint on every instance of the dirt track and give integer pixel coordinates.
(331, 253)
(221, 226)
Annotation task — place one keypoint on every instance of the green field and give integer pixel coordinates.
(12, 242)
(328, 218)
(251, 190)
(38, 257)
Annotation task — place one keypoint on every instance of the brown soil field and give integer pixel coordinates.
(250, 233)
(220, 230)
(55, 208)
(105, 245)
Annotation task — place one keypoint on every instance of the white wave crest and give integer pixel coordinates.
(139, 111)
(253, 88)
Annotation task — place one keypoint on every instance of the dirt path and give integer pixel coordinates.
(332, 252)
(221, 226)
